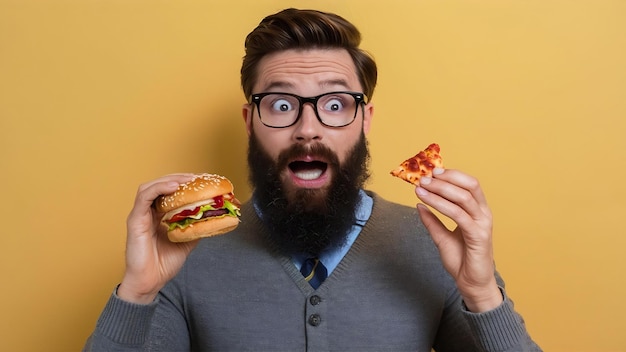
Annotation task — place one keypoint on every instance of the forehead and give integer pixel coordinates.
(307, 71)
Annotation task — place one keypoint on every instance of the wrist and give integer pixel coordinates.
(126, 293)
(484, 300)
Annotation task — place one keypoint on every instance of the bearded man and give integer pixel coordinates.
(318, 262)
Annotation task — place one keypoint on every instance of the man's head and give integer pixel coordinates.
(305, 29)
(307, 118)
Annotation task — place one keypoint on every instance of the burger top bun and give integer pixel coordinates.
(201, 187)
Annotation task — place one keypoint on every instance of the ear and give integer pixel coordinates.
(246, 112)
(368, 115)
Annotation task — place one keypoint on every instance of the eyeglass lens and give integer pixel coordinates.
(282, 110)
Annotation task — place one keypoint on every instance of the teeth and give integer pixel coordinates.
(309, 174)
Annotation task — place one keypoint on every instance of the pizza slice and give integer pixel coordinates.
(422, 164)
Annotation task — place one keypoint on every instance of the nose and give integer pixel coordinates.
(308, 127)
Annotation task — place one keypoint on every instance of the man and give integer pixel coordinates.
(393, 277)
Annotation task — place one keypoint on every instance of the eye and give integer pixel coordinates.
(333, 104)
(282, 105)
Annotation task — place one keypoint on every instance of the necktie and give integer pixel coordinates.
(314, 272)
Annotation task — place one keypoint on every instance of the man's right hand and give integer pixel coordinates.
(151, 259)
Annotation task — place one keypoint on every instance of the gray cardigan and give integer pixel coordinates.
(237, 293)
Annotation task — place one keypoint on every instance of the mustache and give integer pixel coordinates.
(316, 150)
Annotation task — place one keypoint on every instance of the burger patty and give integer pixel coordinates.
(211, 213)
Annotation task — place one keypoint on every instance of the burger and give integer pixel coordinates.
(202, 207)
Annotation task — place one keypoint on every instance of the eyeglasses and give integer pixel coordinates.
(334, 109)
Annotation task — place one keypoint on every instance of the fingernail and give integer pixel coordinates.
(424, 180)
(421, 192)
(438, 171)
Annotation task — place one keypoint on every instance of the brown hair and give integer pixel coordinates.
(305, 29)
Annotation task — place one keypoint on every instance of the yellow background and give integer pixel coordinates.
(99, 96)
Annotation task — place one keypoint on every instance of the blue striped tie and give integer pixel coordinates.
(314, 272)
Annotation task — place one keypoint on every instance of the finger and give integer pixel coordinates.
(463, 181)
(442, 237)
(148, 192)
(432, 223)
(178, 177)
(449, 199)
(445, 206)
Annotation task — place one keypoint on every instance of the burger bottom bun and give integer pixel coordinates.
(206, 228)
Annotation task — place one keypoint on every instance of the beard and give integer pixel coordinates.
(307, 220)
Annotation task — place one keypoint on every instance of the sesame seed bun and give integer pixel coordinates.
(199, 191)
(206, 228)
(201, 187)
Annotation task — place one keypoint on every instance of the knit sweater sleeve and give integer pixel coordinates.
(500, 329)
(124, 326)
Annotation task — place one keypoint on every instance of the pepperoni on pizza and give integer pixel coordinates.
(422, 164)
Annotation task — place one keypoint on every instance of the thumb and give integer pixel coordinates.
(438, 231)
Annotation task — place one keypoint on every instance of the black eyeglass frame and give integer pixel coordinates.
(359, 99)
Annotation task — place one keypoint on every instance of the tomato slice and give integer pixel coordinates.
(219, 202)
(184, 214)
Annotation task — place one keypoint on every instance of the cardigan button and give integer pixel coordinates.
(315, 319)
(315, 300)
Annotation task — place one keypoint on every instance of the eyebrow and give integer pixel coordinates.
(327, 83)
(278, 84)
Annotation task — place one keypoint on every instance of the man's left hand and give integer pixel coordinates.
(467, 251)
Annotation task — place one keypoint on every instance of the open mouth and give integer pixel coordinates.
(308, 170)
